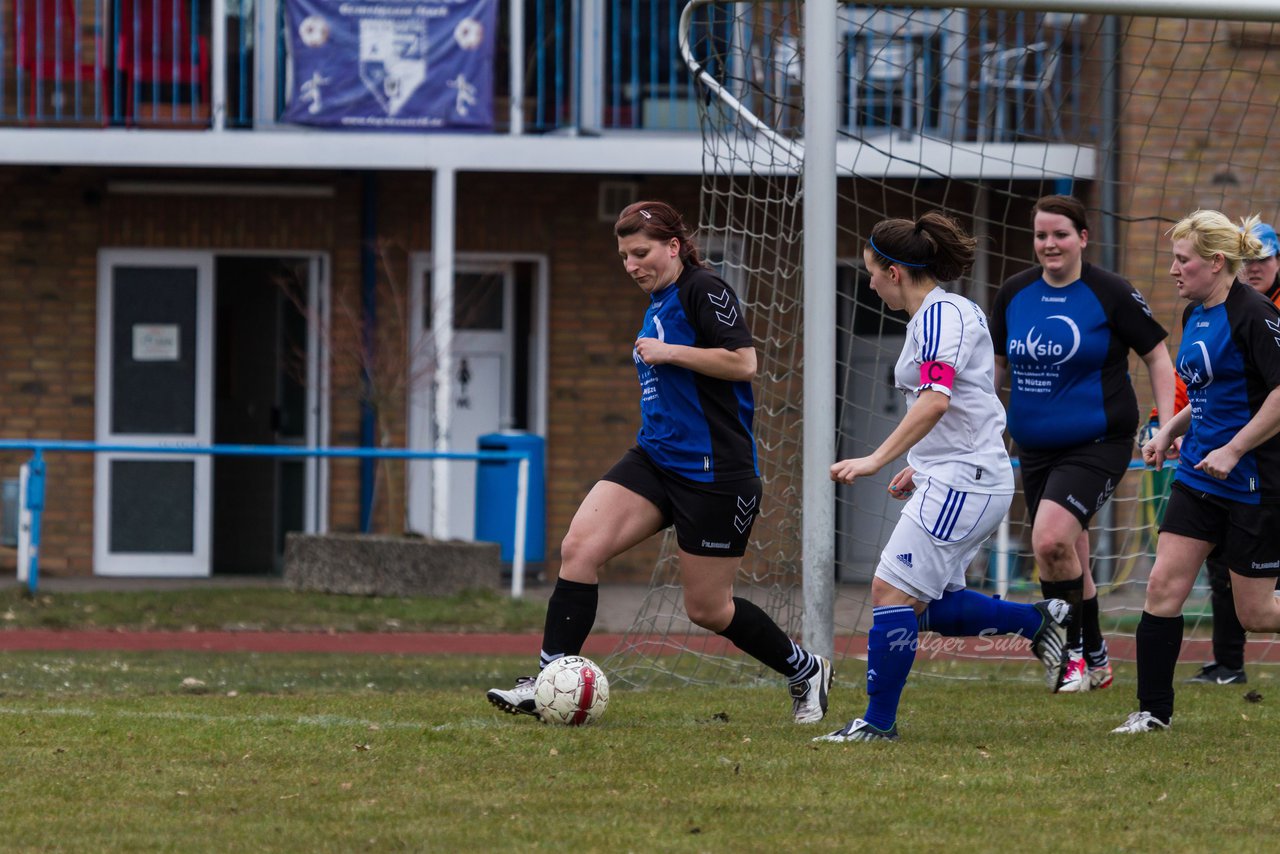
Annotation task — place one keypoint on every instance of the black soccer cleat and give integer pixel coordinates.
(1215, 674)
(859, 730)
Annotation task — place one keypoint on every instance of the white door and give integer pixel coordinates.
(482, 385)
(154, 388)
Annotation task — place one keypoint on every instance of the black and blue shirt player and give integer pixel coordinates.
(1063, 331)
(693, 466)
(1225, 500)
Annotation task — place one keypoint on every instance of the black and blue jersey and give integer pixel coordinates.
(693, 425)
(1068, 351)
(1230, 360)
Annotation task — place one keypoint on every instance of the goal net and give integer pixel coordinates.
(976, 112)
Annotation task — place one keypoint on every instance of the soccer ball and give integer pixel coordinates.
(572, 691)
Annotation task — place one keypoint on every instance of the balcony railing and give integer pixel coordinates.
(578, 65)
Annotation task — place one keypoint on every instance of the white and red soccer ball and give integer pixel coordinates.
(571, 691)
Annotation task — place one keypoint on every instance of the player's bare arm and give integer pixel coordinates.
(1266, 423)
(1160, 372)
(926, 412)
(1156, 450)
(717, 362)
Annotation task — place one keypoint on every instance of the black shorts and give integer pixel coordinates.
(1080, 479)
(1246, 536)
(712, 519)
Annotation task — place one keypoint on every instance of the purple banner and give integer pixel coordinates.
(392, 64)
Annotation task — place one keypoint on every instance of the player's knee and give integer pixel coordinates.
(1165, 593)
(1258, 616)
(579, 550)
(712, 616)
(1052, 551)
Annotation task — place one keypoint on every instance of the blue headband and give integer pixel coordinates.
(883, 254)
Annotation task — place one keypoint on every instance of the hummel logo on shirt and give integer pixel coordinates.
(727, 318)
(905, 559)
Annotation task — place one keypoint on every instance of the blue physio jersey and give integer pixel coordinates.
(1230, 361)
(693, 425)
(1068, 351)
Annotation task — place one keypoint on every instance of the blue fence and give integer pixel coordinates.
(37, 485)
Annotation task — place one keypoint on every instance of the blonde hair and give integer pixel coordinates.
(1212, 233)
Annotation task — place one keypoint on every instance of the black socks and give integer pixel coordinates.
(755, 633)
(1159, 642)
(1072, 592)
(571, 612)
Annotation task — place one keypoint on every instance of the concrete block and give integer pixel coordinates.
(381, 565)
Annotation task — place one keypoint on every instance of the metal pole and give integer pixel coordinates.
(443, 213)
(218, 97)
(368, 341)
(521, 532)
(1002, 558)
(515, 48)
(24, 524)
(1240, 10)
(820, 35)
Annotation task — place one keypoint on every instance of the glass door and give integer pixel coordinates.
(154, 388)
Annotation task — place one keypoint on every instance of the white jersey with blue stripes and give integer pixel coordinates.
(965, 449)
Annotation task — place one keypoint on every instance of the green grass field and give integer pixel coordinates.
(267, 609)
(107, 751)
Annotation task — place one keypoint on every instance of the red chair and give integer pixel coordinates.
(49, 51)
(155, 46)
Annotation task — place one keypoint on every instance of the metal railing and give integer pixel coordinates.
(34, 488)
(560, 65)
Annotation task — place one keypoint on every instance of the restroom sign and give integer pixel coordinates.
(155, 342)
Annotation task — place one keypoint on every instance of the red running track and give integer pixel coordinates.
(445, 643)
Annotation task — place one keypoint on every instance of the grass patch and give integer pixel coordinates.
(107, 751)
(267, 609)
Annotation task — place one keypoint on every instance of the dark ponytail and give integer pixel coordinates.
(934, 245)
(659, 221)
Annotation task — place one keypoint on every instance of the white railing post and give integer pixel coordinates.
(265, 58)
(590, 80)
(1002, 557)
(24, 525)
(515, 48)
(443, 237)
(218, 95)
(521, 532)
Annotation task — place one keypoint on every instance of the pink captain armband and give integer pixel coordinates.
(933, 374)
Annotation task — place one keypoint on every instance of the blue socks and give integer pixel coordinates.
(965, 613)
(891, 650)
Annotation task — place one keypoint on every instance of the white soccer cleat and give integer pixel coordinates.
(859, 730)
(809, 697)
(1141, 722)
(1050, 641)
(1075, 677)
(516, 701)
(1100, 677)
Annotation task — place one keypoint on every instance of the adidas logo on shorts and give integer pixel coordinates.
(905, 559)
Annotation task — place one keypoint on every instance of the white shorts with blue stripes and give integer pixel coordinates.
(938, 535)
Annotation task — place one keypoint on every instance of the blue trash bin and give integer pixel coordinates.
(496, 498)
